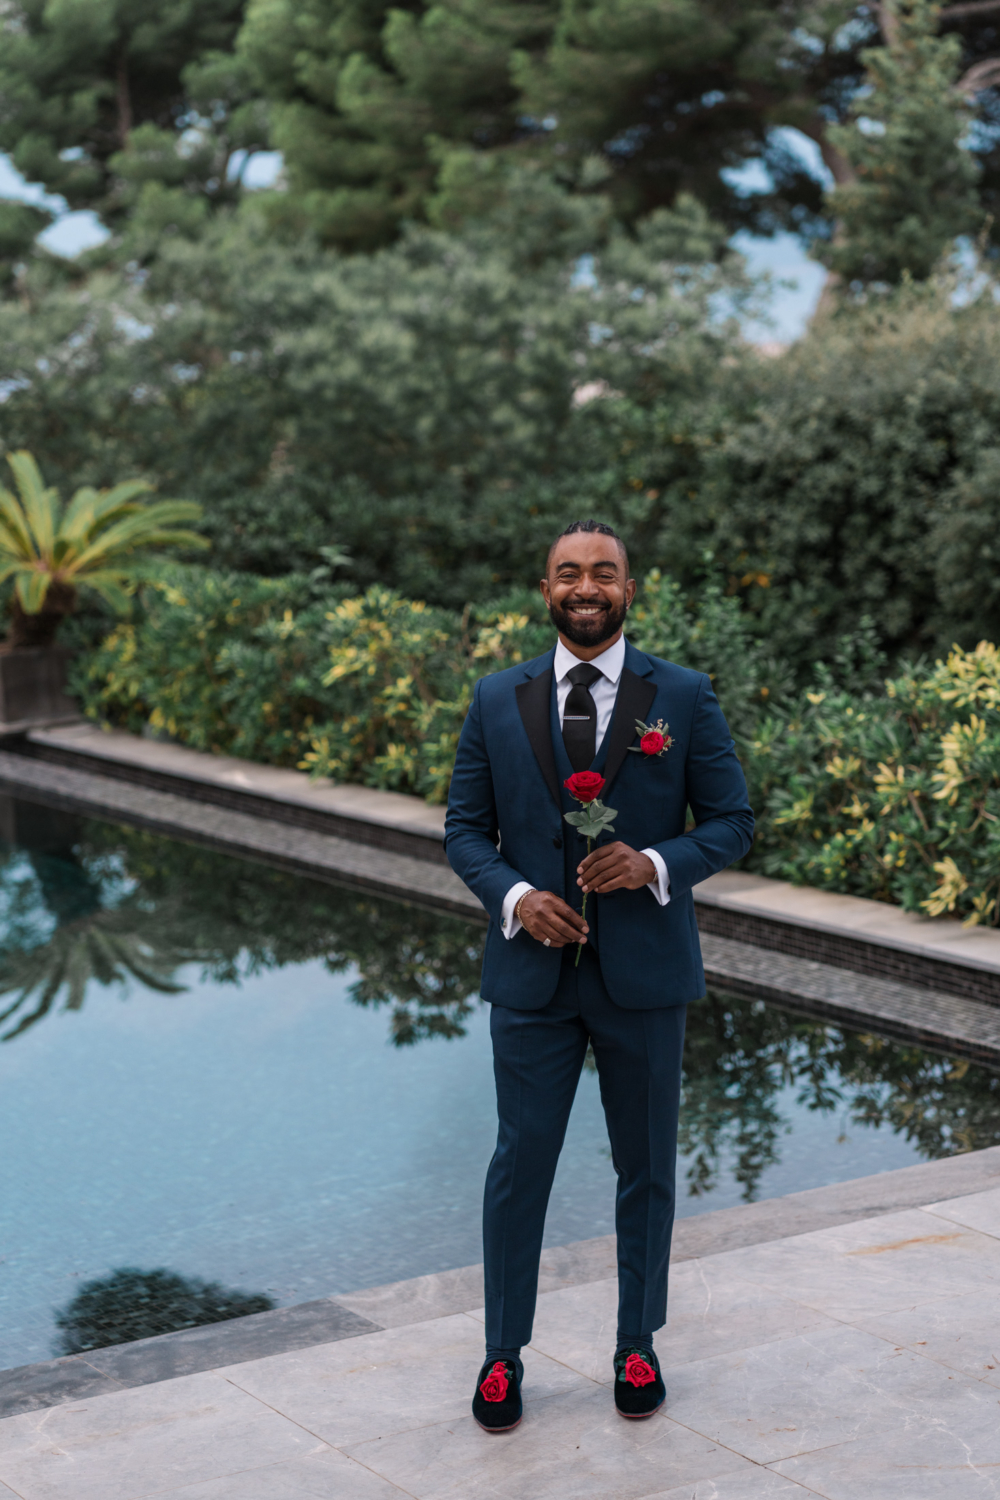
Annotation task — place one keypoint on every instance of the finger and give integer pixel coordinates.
(614, 883)
(555, 920)
(560, 933)
(566, 913)
(558, 917)
(595, 880)
(598, 861)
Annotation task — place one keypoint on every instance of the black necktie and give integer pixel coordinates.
(580, 718)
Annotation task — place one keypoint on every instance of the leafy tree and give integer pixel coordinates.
(360, 91)
(20, 224)
(385, 113)
(415, 112)
(435, 385)
(914, 185)
(126, 105)
(855, 475)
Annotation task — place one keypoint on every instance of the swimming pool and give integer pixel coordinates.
(286, 1087)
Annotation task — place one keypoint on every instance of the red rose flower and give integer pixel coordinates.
(585, 786)
(494, 1387)
(652, 743)
(637, 1372)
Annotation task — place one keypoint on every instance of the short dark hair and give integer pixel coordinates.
(591, 526)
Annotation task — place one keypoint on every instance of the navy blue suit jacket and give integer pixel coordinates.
(505, 814)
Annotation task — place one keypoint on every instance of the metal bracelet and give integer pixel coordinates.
(517, 907)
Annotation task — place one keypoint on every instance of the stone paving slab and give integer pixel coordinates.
(854, 1362)
(968, 1181)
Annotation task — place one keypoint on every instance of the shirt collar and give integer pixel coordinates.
(609, 663)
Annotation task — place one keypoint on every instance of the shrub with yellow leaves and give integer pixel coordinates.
(892, 791)
(403, 675)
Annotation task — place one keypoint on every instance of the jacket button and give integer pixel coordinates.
(557, 843)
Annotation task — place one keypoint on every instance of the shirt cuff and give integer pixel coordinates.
(510, 925)
(660, 887)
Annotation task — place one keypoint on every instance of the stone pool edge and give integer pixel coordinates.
(373, 1309)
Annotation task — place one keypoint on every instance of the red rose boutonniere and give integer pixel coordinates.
(494, 1387)
(586, 787)
(654, 739)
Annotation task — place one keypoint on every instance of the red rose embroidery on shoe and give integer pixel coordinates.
(494, 1387)
(637, 1372)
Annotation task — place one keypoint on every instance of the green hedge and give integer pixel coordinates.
(885, 789)
(372, 688)
(891, 791)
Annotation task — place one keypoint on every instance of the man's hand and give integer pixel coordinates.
(615, 867)
(544, 915)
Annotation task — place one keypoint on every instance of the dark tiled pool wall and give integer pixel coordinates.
(850, 953)
(376, 835)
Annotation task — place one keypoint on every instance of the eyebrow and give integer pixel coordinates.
(604, 563)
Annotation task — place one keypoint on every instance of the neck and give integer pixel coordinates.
(587, 653)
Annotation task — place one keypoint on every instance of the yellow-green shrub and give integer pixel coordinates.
(892, 794)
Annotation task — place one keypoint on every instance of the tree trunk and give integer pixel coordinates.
(124, 100)
(40, 629)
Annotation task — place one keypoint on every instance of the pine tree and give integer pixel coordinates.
(121, 103)
(915, 187)
(367, 97)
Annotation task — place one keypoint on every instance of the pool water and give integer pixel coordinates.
(286, 1087)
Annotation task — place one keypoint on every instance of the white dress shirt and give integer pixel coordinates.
(604, 692)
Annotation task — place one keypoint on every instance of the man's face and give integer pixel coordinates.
(587, 588)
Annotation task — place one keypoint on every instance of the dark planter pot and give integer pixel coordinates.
(33, 688)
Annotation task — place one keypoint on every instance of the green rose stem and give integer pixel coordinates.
(583, 913)
(594, 820)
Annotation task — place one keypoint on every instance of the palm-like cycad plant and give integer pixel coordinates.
(52, 550)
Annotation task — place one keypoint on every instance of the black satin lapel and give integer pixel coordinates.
(534, 704)
(635, 698)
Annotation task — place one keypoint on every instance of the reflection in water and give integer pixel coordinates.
(86, 901)
(131, 1304)
(740, 1056)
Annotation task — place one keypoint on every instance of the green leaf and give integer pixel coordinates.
(41, 506)
(32, 588)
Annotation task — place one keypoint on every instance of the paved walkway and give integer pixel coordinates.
(857, 1362)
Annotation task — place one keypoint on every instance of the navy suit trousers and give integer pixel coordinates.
(538, 1057)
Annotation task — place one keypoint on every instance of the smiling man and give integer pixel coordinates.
(582, 707)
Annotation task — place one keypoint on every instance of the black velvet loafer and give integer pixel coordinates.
(639, 1388)
(496, 1405)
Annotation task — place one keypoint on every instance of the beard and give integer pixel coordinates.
(592, 630)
